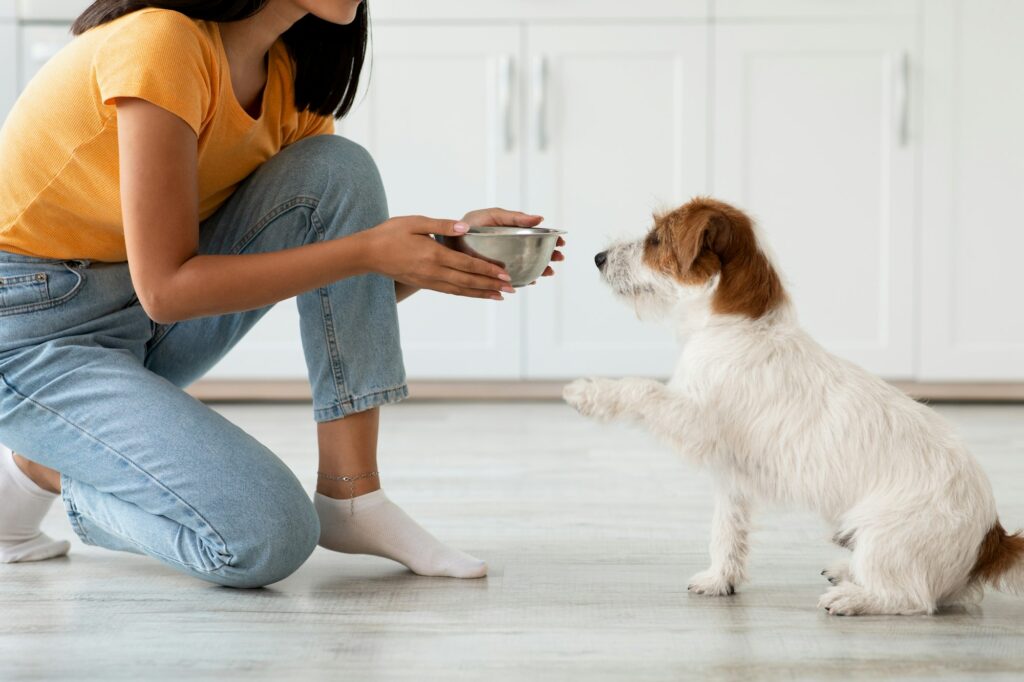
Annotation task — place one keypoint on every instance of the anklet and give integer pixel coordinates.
(351, 480)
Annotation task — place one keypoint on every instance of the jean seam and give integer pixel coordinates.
(327, 317)
(74, 517)
(243, 241)
(189, 509)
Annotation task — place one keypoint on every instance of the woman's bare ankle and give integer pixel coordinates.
(44, 477)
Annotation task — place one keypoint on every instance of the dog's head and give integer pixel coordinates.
(705, 251)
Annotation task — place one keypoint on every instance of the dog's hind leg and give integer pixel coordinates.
(729, 548)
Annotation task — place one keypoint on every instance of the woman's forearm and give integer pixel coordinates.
(215, 285)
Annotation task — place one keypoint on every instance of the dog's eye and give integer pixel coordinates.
(653, 240)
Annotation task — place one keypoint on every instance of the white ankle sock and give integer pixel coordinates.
(381, 528)
(23, 504)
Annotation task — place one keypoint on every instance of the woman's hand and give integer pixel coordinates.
(403, 249)
(499, 216)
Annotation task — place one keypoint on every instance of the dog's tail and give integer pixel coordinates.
(1000, 561)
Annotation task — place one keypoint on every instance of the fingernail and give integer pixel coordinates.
(504, 278)
(509, 290)
(497, 297)
(461, 227)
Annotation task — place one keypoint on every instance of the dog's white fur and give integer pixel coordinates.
(777, 418)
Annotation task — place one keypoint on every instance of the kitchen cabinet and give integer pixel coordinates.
(876, 143)
(831, 104)
(972, 174)
(9, 56)
(616, 127)
(442, 120)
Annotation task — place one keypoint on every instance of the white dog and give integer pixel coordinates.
(777, 418)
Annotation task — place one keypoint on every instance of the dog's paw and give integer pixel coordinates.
(838, 573)
(712, 584)
(845, 599)
(592, 398)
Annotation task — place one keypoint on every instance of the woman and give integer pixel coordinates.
(164, 180)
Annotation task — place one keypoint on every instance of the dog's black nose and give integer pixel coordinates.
(600, 259)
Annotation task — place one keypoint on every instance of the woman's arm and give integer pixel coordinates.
(160, 209)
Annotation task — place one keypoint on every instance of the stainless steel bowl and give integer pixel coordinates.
(524, 252)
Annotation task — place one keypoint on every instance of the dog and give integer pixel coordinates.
(776, 418)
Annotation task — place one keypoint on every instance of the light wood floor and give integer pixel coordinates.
(591, 533)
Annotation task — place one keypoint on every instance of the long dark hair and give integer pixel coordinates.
(328, 57)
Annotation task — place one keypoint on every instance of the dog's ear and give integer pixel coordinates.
(699, 235)
(705, 230)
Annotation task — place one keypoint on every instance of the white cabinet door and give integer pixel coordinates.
(973, 174)
(440, 117)
(616, 127)
(814, 137)
(8, 67)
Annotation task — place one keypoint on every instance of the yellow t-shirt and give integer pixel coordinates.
(59, 191)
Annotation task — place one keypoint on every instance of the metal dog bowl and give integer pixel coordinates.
(524, 252)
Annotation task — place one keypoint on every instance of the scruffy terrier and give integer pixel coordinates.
(777, 418)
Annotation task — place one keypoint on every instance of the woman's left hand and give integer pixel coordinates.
(499, 216)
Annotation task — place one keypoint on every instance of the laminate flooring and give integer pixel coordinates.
(591, 533)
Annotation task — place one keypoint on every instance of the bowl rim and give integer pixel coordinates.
(536, 230)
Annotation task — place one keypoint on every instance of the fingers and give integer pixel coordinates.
(501, 216)
(466, 263)
(447, 287)
(424, 225)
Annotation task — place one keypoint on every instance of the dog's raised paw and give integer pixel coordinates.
(711, 584)
(588, 397)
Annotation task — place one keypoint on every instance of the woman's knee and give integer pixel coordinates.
(278, 536)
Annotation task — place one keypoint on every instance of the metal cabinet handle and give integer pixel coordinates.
(540, 96)
(903, 106)
(506, 115)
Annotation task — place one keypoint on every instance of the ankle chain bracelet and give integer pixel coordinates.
(351, 480)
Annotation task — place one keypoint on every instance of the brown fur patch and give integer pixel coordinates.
(998, 553)
(707, 237)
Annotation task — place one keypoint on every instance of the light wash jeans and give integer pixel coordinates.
(92, 387)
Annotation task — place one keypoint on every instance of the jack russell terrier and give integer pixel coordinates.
(777, 418)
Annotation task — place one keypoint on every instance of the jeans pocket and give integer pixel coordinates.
(27, 286)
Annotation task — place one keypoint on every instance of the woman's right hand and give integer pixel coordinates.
(404, 250)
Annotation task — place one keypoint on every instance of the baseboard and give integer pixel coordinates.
(296, 390)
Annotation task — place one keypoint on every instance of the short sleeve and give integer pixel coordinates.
(160, 56)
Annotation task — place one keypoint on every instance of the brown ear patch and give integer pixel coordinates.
(998, 553)
(707, 237)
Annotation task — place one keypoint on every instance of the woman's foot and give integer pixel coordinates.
(23, 504)
(373, 524)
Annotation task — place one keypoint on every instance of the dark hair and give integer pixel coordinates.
(328, 57)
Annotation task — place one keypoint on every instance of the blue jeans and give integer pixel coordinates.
(91, 387)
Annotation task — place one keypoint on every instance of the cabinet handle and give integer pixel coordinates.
(540, 100)
(903, 107)
(506, 83)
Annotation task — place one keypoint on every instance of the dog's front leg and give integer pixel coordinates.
(728, 548)
(607, 399)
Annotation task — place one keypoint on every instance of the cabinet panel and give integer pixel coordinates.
(813, 9)
(439, 117)
(616, 129)
(973, 172)
(830, 106)
(8, 72)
